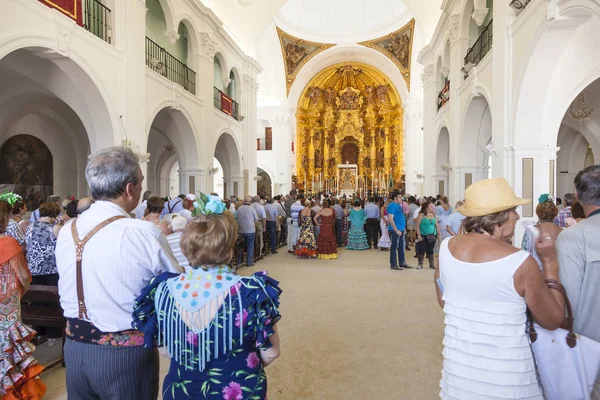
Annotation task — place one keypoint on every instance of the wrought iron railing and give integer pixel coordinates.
(444, 95)
(161, 61)
(262, 144)
(482, 45)
(97, 19)
(226, 104)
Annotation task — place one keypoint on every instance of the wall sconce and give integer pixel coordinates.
(212, 170)
(447, 167)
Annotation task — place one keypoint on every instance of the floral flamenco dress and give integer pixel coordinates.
(18, 369)
(306, 247)
(213, 324)
(357, 237)
(326, 244)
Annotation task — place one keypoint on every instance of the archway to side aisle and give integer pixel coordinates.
(171, 142)
(228, 156)
(442, 163)
(578, 138)
(476, 145)
(52, 116)
(264, 184)
(545, 93)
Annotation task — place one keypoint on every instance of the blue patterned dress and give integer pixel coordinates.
(221, 361)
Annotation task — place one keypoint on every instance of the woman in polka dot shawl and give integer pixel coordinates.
(218, 327)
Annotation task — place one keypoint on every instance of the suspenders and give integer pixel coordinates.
(79, 245)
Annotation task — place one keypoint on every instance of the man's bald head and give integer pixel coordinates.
(84, 204)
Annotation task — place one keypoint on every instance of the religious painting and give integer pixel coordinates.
(350, 153)
(296, 53)
(397, 46)
(26, 169)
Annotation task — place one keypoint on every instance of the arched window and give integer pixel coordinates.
(218, 75)
(232, 86)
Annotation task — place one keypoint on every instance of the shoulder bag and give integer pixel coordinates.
(567, 363)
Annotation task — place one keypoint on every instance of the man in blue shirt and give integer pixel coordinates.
(396, 228)
(455, 220)
(372, 225)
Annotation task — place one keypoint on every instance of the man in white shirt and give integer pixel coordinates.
(141, 208)
(97, 291)
(178, 224)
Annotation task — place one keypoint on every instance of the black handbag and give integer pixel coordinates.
(430, 238)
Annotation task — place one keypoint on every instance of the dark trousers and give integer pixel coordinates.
(338, 231)
(96, 372)
(272, 229)
(397, 246)
(47, 280)
(425, 247)
(372, 228)
(249, 241)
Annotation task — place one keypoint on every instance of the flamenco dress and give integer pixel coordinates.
(326, 243)
(306, 247)
(19, 371)
(357, 237)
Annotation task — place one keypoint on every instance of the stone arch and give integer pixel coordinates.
(168, 11)
(439, 79)
(235, 79)
(265, 186)
(476, 135)
(442, 162)
(446, 56)
(228, 154)
(468, 27)
(222, 62)
(70, 79)
(171, 134)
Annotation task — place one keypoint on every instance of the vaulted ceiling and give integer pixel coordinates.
(343, 21)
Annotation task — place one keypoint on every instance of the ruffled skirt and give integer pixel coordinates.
(384, 241)
(357, 240)
(18, 369)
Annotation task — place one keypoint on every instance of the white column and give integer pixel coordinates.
(134, 74)
(191, 180)
(283, 136)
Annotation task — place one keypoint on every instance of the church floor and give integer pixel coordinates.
(352, 329)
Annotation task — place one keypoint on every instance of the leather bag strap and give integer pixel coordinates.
(79, 246)
(571, 336)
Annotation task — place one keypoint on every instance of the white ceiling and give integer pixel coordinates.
(340, 20)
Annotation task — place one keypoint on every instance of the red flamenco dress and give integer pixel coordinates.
(326, 243)
(19, 371)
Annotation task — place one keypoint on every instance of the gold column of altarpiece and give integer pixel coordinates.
(345, 107)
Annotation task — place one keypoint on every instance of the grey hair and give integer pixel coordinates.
(587, 186)
(110, 170)
(569, 199)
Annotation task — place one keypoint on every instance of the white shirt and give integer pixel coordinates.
(187, 214)
(174, 242)
(140, 210)
(416, 214)
(118, 262)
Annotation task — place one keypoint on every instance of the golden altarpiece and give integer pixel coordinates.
(350, 132)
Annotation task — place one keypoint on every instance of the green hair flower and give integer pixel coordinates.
(11, 198)
(545, 198)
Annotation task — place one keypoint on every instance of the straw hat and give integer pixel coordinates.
(488, 197)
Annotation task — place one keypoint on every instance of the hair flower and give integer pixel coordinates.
(11, 198)
(208, 205)
(545, 198)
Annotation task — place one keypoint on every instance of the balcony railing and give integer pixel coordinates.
(444, 95)
(97, 19)
(226, 104)
(161, 61)
(482, 46)
(261, 144)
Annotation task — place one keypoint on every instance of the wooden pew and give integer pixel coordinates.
(40, 306)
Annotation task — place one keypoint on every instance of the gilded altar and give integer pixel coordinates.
(349, 114)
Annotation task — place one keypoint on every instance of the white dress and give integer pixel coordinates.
(487, 353)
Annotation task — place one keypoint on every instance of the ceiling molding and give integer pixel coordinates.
(296, 53)
(397, 46)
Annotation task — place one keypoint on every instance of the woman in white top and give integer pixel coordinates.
(485, 286)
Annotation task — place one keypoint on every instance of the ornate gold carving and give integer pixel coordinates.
(397, 46)
(296, 53)
(349, 113)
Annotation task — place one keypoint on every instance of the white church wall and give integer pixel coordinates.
(128, 93)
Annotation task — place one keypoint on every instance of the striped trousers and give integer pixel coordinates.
(97, 372)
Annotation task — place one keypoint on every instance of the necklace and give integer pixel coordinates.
(544, 221)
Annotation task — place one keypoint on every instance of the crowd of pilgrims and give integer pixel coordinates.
(142, 273)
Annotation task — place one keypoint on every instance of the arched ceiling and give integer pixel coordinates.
(248, 19)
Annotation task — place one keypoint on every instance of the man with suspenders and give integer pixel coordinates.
(105, 258)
